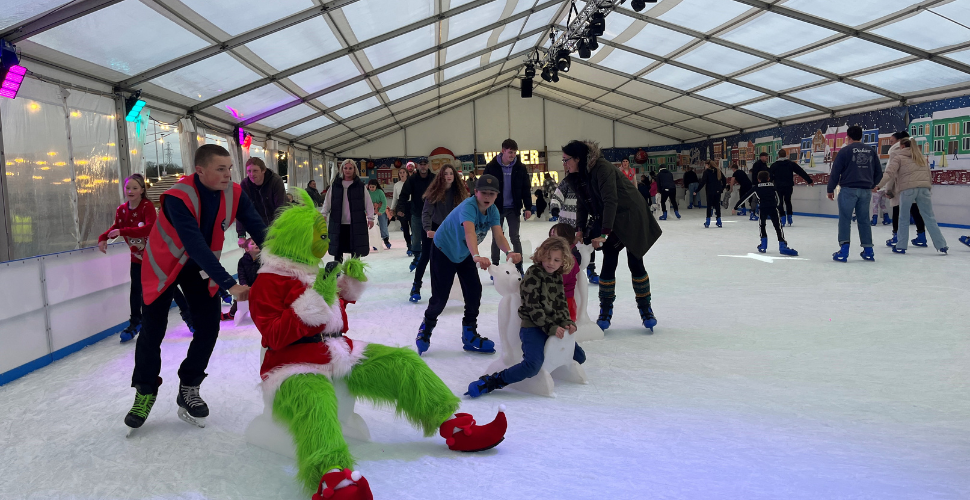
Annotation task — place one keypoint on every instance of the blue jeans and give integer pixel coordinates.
(416, 233)
(382, 223)
(920, 196)
(533, 346)
(695, 199)
(854, 200)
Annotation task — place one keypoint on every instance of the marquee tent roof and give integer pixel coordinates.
(335, 75)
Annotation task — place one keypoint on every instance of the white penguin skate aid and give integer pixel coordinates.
(558, 362)
(586, 329)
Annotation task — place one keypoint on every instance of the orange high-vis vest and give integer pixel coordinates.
(165, 255)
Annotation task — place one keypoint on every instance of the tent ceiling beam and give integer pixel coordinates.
(52, 19)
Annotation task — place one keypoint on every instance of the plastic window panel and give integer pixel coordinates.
(370, 18)
(836, 94)
(239, 16)
(15, 11)
(658, 40)
(498, 54)
(345, 94)
(309, 126)
(326, 75)
(777, 107)
(777, 34)
(959, 11)
(779, 77)
(836, 58)
(297, 44)
(519, 6)
(730, 93)
(703, 15)
(410, 88)
(719, 59)
(615, 24)
(540, 18)
(511, 30)
(256, 101)
(962, 56)
(626, 62)
(525, 43)
(87, 38)
(914, 77)
(400, 47)
(851, 13)
(208, 78)
(406, 71)
(462, 68)
(291, 115)
(926, 31)
(673, 76)
(474, 19)
(469, 46)
(358, 107)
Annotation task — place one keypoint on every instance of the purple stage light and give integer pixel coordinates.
(13, 80)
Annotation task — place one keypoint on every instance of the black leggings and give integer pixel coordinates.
(425, 256)
(914, 211)
(611, 258)
(406, 229)
(713, 203)
(771, 213)
(784, 194)
(672, 195)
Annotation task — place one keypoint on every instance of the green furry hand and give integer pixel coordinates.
(355, 269)
(326, 285)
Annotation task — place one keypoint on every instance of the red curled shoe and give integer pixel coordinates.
(461, 433)
(342, 484)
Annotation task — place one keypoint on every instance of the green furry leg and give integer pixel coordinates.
(307, 404)
(397, 376)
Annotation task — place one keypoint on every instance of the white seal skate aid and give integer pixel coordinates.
(558, 362)
(586, 329)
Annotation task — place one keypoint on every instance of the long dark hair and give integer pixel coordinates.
(436, 191)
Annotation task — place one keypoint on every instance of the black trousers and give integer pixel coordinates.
(611, 258)
(784, 194)
(771, 213)
(425, 256)
(344, 242)
(666, 194)
(406, 229)
(913, 211)
(443, 272)
(205, 312)
(135, 298)
(512, 216)
(713, 203)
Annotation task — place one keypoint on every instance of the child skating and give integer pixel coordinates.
(568, 233)
(543, 312)
(765, 190)
(455, 252)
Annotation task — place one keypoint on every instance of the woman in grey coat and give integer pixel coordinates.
(612, 215)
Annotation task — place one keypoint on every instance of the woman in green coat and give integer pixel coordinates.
(612, 216)
(379, 199)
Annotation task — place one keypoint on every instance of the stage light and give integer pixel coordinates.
(530, 70)
(639, 5)
(592, 43)
(11, 72)
(562, 61)
(597, 24)
(133, 105)
(547, 74)
(526, 88)
(583, 49)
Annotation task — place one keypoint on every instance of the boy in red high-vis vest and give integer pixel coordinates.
(184, 249)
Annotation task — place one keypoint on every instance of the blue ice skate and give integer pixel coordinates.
(763, 247)
(843, 254)
(867, 254)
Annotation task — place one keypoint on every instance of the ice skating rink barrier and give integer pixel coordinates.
(54, 305)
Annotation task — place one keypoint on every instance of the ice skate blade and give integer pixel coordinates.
(186, 417)
(130, 430)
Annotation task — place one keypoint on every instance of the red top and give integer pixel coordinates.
(630, 174)
(134, 226)
(569, 279)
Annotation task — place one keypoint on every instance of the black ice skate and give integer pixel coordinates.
(141, 408)
(192, 408)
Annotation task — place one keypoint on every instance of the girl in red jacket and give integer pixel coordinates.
(568, 233)
(133, 222)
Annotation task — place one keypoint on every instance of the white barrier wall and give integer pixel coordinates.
(56, 304)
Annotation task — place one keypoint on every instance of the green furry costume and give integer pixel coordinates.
(299, 309)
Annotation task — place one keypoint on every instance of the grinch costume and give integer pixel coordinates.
(300, 311)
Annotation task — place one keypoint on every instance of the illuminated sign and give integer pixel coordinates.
(529, 157)
(539, 177)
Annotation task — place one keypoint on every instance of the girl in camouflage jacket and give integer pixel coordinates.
(543, 312)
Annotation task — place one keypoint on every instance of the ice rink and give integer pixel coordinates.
(765, 379)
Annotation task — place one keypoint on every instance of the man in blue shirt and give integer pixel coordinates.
(856, 170)
(455, 251)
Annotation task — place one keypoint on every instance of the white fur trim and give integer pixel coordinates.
(278, 265)
(350, 288)
(342, 360)
(313, 310)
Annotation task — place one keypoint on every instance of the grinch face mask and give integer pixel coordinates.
(321, 242)
(299, 233)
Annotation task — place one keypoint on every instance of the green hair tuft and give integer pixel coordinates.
(290, 236)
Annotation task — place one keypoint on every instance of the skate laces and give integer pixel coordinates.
(479, 338)
(190, 394)
(143, 405)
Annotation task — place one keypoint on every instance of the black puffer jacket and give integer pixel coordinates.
(266, 198)
(665, 180)
(783, 173)
(521, 187)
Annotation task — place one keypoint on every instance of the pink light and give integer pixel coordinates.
(13, 80)
(235, 114)
(242, 135)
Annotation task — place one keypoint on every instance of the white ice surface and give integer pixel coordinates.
(797, 379)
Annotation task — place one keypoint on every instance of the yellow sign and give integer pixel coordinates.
(539, 177)
(530, 157)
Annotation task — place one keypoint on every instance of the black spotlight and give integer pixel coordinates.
(592, 43)
(638, 5)
(526, 88)
(582, 48)
(547, 73)
(562, 60)
(530, 71)
(555, 76)
(597, 24)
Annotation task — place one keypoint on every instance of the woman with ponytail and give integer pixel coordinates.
(612, 216)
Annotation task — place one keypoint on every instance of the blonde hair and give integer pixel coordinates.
(552, 244)
(914, 152)
(352, 162)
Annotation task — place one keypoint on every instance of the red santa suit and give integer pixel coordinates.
(285, 308)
